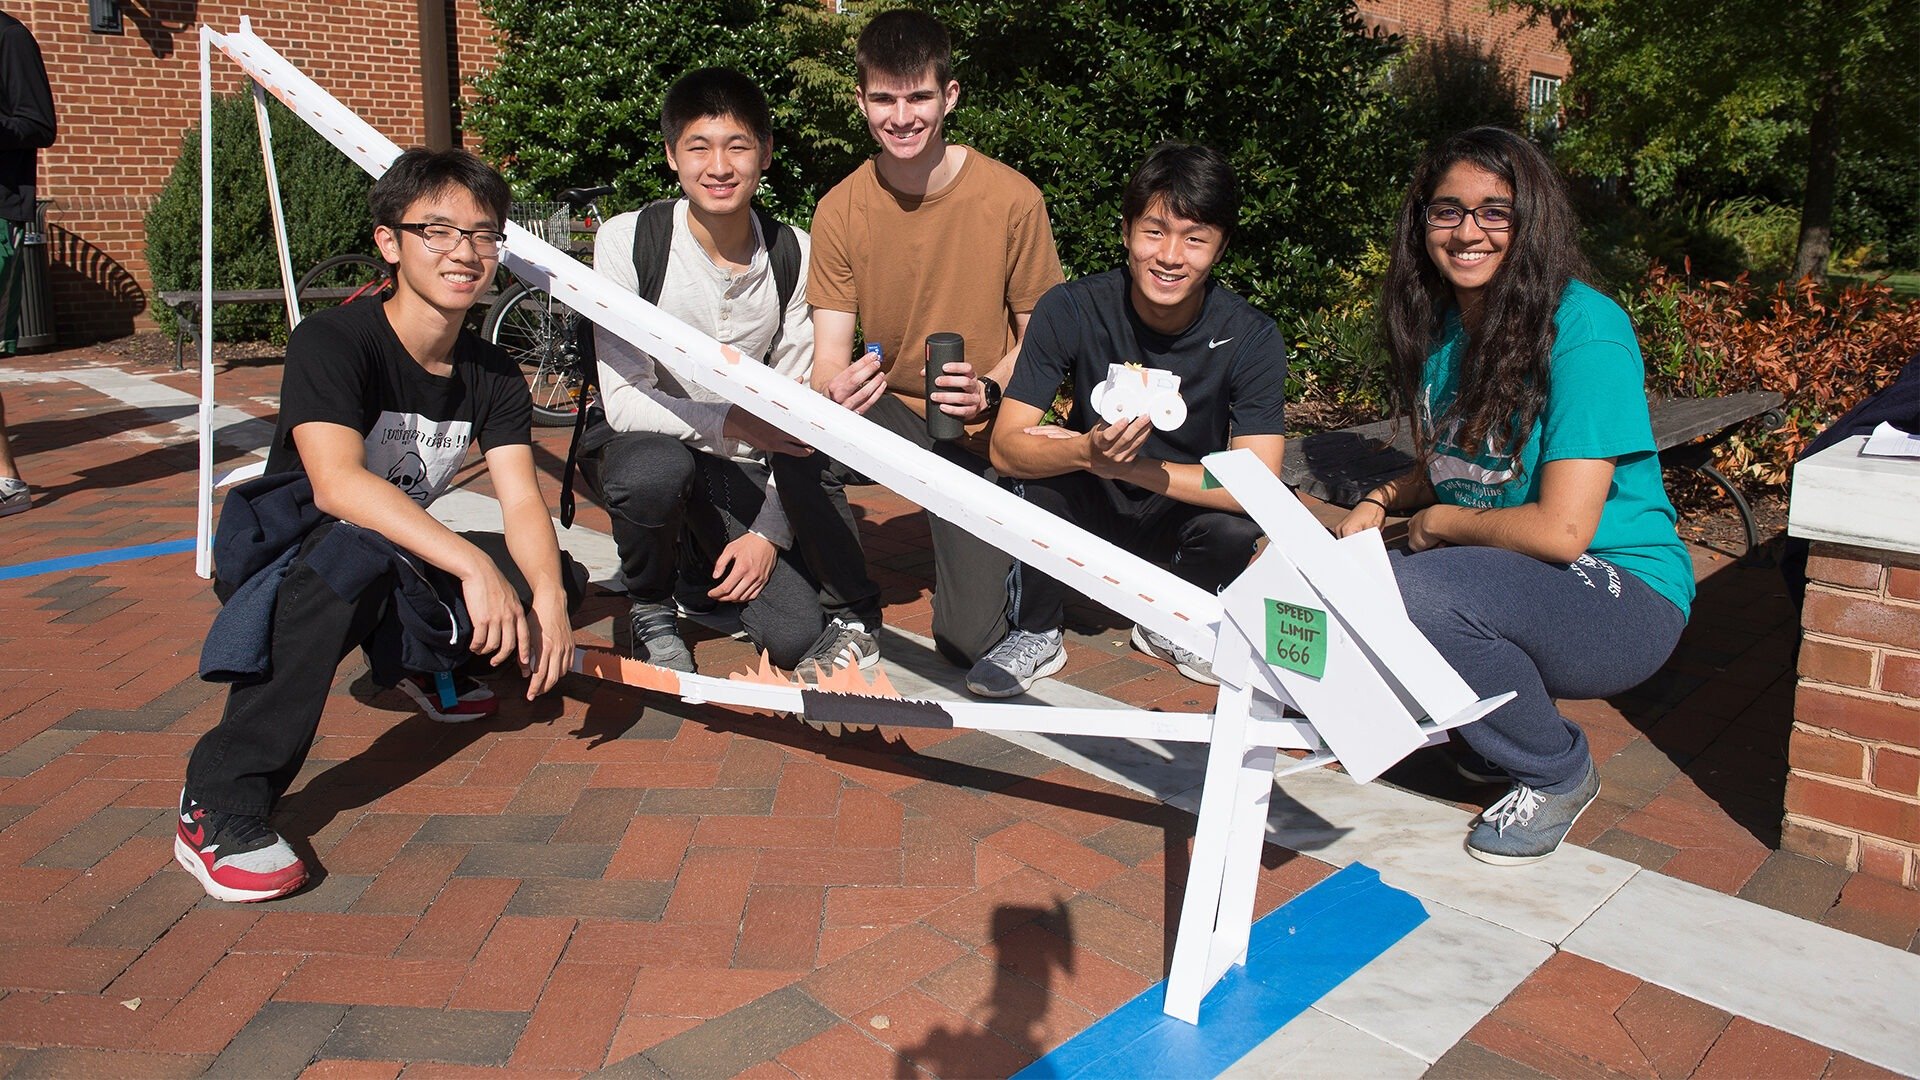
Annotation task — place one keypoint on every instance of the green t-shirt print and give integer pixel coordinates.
(1596, 407)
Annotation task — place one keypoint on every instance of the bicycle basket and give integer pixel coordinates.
(537, 217)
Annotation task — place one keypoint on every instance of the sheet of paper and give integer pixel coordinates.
(1890, 441)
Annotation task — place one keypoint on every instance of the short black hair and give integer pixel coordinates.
(420, 173)
(1196, 182)
(715, 91)
(904, 43)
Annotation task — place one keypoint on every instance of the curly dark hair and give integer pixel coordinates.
(1503, 375)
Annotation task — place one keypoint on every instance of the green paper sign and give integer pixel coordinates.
(1297, 638)
(1207, 482)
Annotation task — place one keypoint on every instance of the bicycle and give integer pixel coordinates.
(341, 279)
(541, 334)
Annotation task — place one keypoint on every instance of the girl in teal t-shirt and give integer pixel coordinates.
(1543, 558)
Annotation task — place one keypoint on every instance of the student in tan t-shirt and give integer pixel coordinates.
(926, 237)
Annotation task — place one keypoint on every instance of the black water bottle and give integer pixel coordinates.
(942, 349)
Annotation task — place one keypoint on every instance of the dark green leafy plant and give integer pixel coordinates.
(323, 193)
(1072, 94)
(575, 97)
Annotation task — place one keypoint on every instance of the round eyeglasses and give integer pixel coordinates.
(1493, 217)
(444, 239)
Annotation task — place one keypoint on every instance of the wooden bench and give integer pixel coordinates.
(186, 308)
(1340, 467)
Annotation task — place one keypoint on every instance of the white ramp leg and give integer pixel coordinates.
(1187, 983)
(1249, 834)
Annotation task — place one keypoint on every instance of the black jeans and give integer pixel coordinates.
(251, 757)
(970, 576)
(1205, 547)
(674, 509)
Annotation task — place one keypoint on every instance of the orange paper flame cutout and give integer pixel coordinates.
(848, 680)
(613, 667)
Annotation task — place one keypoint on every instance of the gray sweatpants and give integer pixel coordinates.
(1507, 621)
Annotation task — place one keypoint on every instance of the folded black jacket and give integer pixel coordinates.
(265, 526)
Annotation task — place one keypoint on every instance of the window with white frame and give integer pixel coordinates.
(1543, 99)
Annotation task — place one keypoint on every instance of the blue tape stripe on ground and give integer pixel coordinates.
(95, 558)
(1294, 956)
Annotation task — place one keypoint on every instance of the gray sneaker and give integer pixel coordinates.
(1190, 664)
(842, 644)
(15, 496)
(1528, 823)
(654, 637)
(1012, 667)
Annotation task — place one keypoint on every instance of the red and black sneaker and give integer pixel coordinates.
(235, 856)
(473, 701)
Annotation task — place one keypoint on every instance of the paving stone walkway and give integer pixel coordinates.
(604, 879)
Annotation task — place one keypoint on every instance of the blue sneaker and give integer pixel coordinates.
(1528, 824)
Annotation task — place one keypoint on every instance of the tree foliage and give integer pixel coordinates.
(323, 194)
(1073, 94)
(1692, 101)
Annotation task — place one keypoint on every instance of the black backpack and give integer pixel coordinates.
(652, 239)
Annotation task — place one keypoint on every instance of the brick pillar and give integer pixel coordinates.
(1853, 792)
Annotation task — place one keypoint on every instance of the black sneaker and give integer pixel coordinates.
(841, 644)
(235, 857)
(654, 637)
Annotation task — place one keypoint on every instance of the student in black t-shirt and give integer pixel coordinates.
(380, 404)
(1129, 483)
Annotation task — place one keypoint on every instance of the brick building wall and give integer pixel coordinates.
(125, 101)
(1853, 792)
(1528, 49)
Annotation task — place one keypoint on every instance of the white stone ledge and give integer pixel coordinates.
(1844, 498)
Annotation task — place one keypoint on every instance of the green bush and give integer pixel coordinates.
(1766, 233)
(1337, 366)
(323, 193)
(574, 99)
(1072, 94)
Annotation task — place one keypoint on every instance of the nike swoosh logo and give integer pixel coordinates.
(1212, 344)
(197, 837)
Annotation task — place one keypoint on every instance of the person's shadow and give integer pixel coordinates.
(1023, 977)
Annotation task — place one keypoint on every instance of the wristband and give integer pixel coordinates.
(1384, 508)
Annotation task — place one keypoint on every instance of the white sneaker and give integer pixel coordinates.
(1188, 663)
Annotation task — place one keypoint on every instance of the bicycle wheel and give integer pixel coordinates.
(537, 332)
(339, 280)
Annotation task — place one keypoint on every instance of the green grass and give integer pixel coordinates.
(1904, 283)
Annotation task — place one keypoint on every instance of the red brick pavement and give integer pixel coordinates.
(602, 874)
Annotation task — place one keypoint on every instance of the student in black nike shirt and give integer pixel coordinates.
(1129, 483)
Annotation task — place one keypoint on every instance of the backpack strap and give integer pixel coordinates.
(783, 255)
(652, 236)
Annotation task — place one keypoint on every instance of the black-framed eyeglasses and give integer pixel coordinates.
(444, 239)
(1493, 217)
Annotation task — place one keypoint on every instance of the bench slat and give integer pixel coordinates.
(1341, 466)
(1682, 420)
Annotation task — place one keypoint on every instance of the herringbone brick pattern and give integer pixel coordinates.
(606, 879)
